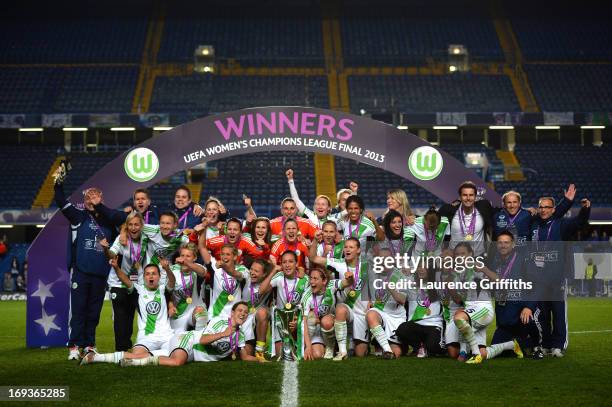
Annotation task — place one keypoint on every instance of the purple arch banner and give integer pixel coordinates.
(225, 135)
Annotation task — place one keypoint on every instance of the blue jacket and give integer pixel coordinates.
(85, 254)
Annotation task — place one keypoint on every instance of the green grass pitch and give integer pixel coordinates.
(581, 377)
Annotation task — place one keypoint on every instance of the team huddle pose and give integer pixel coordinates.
(206, 285)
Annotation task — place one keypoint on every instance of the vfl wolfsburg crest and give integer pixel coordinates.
(141, 164)
(425, 163)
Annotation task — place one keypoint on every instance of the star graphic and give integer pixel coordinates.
(43, 292)
(46, 321)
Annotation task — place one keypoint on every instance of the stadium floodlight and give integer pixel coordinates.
(6, 226)
(123, 128)
(40, 226)
(31, 129)
(592, 127)
(162, 128)
(547, 127)
(501, 127)
(445, 127)
(362, 111)
(402, 127)
(452, 68)
(75, 129)
(204, 59)
(600, 222)
(205, 50)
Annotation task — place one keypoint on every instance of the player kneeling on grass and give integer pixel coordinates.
(423, 329)
(190, 310)
(256, 325)
(318, 305)
(223, 337)
(154, 331)
(387, 312)
(351, 308)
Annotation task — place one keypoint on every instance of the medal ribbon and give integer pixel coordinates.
(356, 274)
(430, 240)
(314, 303)
(356, 229)
(187, 291)
(512, 218)
(98, 229)
(135, 256)
(286, 288)
(426, 301)
(472, 225)
(508, 267)
(230, 288)
(233, 340)
(183, 218)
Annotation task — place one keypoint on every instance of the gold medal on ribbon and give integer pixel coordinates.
(188, 300)
(352, 293)
(137, 265)
(469, 237)
(230, 298)
(427, 311)
(288, 305)
(233, 355)
(252, 310)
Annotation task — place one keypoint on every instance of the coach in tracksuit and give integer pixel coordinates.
(515, 309)
(88, 267)
(546, 264)
(518, 220)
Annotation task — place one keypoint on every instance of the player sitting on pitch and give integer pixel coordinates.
(154, 331)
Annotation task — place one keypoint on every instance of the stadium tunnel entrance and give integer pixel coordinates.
(225, 135)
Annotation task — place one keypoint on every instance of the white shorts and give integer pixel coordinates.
(356, 320)
(184, 322)
(185, 341)
(249, 328)
(481, 313)
(155, 344)
(389, 323)
(452, 335)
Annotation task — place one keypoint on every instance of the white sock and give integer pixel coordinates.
(497, 349)
(114, 357)
(468, 334)
(329, 337)
(379, 333)
(340, 328)
(201, 319)
(149, 360)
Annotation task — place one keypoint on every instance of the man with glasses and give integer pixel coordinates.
(547, 266)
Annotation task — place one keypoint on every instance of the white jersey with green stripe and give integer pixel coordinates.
(337, 251)
(219, 349)
(138, 249)
(448, 304)
(384, 301)
(185, 286)
(225, 290)
(400, 246)
(312, 216)
(361, 283)
(295, 287)
(478, 294)
(158, 246)
(250, 294)
(324, 303)
(361, 230)
(418, 230)
(152, 312)
(422, 310)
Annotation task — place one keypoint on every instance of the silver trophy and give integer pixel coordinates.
(60, 174)
(283, 317)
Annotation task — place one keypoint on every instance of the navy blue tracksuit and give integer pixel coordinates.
(510, 303)
(89, 270)
(547, 266)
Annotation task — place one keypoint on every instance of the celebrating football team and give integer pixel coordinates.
(208, 286)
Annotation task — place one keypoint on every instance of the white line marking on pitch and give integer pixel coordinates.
(591, 332)
(289, 390)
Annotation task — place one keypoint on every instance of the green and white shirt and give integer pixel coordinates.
(219, 349)
(418, 231)
(325, 302)
(152, 312)
(250, 294)
(295, 287)
(138, 249)
(336, 253)
(225, 290)
(361, 283)
(158, 247)
(421, 309)
(362, 230)
(384, 301)
(179, 294)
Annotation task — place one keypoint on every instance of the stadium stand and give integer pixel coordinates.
(420, 93)
(568, 87)
(204, 94)
(71, 41)
(271, 40)
(62, 90)
(409, 40)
